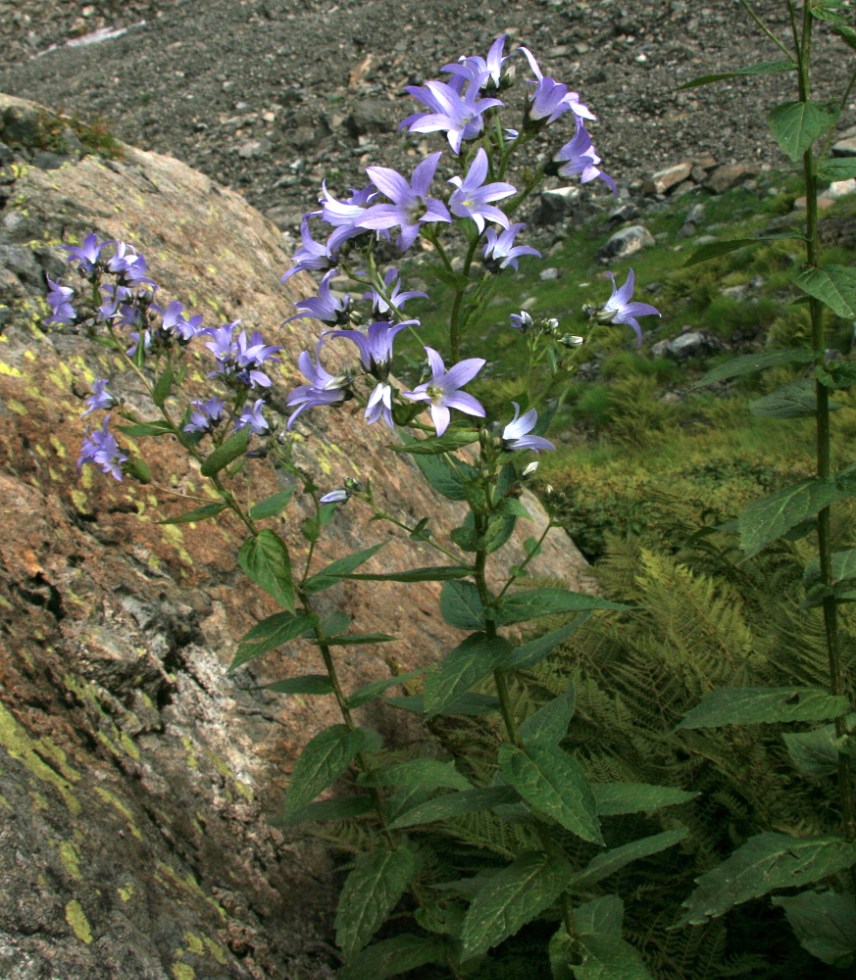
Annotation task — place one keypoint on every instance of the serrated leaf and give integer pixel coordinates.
(395, 956)
(513, 897)
(376, 688)
(762, 68)
(755, 705)
(340, 808)
(533, 652)
(796, 125)
(549, 725)
(461, 605)
(139, 429)
(607, 863)
(837, 168)
(833, 285)
(331, 574)
(432, 573)
(847, 35)
(198, 514)
(796, 399)
(371, 891)
(471, 705)
(815, 754)
(451, 440)
(321, 763)
(766, 862)
(824, 923)
(271, 506)
(462, 669)
(552, 783)
(428, 773)
(231, 449)
(843, 564)
(271, 633)
(265, 560)
(533, 603)
(307, 684)
(768, 518)
(605, 954)
(737, 367)
(613, 798)
(163, 385)
(455, 805)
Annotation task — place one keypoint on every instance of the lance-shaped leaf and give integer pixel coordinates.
(456, 805)
(451, 440)
(552, 783)
(265, 560)
(764, 863)
(753, 705)
(307, 684)
(815, 753)
(163, 386)
(598, 951)
(467, 665)
(341, 568)
(321, 763)
(431, 573)
(231, 449)
(197, 514)
(713, 250)
(603, 865)
(376, 688)
(461, 605)
(837, 168)
(533, 652)
(796, 125)
(549, 725)
(428, 773)
(613, 798)
(511, 898)
(139, 429)
(371, 891)
(395, 956)
(796, 399)
(762, 68)
(738, 367)
(824, 924)
(271, 633)
(272, 505)
(521, 606)
(767, 519)
(341, 808)
(834, 285)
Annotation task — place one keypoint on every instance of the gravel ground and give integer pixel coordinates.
(271, 96)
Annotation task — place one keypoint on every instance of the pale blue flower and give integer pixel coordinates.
(311, 254)
(100, 397)
(443, 390)
(326, 306)
(323, 388)
(620, 309)
(500, 250)
(251, 416)
(397, 299)
(551, 99)
(59, 300)
(101, 449)
(516, 434)
(578, 158)
(204, 416)
(453, 112)
(472, 196)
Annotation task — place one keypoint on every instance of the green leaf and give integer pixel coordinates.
(231, 449)
(428, 773)
(321, 763)
(198, 514)
(449, 477)
(470, 704)
(451, 440)
(395, 956)
(552, 783)
(613, 798)
(607, 863)
(815, 753)
(340, 808)
(754, 705)
(459, 671)
(834, 285)
(162, 387)
(766, 862)
(139, 429)
(461, 605)
(265, 560)
(269, 634)
(341, 568)
(432, 573)
(371, 891)
(713, 250)
(520, 606)
(823, 923)
(358, 639)
(737, 367)
(796, 125)
(307, 684)
(837, 375)
(271, 506)
(847, 35)
(376, 688)
(843, 568)
(533, 652)
(837, 168)
(767, 519)
(513, 897)
(796, 399)
(762, 68)
(455, 805)
(605, 954)
(549, 725)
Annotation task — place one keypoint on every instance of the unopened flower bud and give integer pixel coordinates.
(530, 469)
(571, 340)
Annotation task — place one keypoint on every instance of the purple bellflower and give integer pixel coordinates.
(551, 99)
(339, 496)
(345, 216)
(620, 309)
(251, 416)
(100, 397)
(485, 73)
(325, 307)
(455, 113)
(397, 299)
(578, 158)
(88, 254)
(174, 322)
(500, 250)
(472, 196)
(311, 254)
(443, 390)
(101, 449)
(59, 300)
(521, 321)
(411, 206)
(323, 388)
(516, 434)
(204, 416)
(240, 359)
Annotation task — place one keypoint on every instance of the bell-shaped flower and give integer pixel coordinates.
(457, 114)
(620, 308)
(500, 250)
(326, 306)
(578, 159)
(323, 388)
(472, 196)
(443, 391)
(516, 435)
(101, 449)
(551, 99)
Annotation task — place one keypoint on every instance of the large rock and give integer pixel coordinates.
(138, 778)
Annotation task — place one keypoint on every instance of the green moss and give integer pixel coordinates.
(76, 918)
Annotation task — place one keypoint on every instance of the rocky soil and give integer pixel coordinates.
(272, 96)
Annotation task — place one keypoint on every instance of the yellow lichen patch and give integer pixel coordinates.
(176, 538)
(30, 355)
(126, 892)
(80, 500)
(188, 884)
(33, 752)
(194, 944)
(59, 446)
(217, 951)
(70, 859)
(76, 918)
(181, 971)
(190, 749)
(117, 804)
(16, 406)
(9, 371)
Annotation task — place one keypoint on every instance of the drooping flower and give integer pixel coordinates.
(129, 265)
(345, 216)
(397, 298)
(516, 434)
(500, 250)
(486, 74)
(88, 253)
(339, 496)
(59, 300)
(100, 397)
(326, 306)
(472, 196)
(251, 415)
(323, 388)
(311, 254)
(551, 99)
(521, 321)
(101, 449)
(204, 416)
(578, 158)
(456, 113)
(174, 321)
(411, 206)
(443, 392)
(240, 359)
(619, 308)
